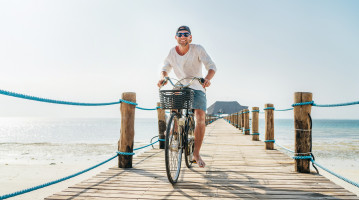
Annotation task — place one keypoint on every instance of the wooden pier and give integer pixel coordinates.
(237, 167)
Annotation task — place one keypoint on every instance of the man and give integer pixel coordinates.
(186, 61)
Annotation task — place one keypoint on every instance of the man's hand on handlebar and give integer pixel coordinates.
(162, 82)
(206, 83)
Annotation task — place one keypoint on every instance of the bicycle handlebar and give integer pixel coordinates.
(179, 84)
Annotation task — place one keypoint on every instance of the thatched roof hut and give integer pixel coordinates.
(225, 107)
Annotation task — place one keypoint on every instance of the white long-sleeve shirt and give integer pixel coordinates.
(189, 65)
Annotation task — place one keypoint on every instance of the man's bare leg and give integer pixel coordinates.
(199, 135)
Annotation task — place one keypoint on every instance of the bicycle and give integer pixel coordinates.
(180, 126)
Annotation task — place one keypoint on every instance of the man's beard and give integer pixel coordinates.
(183, 45)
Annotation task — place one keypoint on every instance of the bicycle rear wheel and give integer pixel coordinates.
(173, 149)
(189, 148)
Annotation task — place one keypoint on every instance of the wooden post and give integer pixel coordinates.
(269, 126)
(232, 120)
(236, 119)
(246, 122)
(255, 123)
(125, 144)
(161, 125)
(240, 120)
(303, 133)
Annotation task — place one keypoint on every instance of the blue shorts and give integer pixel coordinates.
(200, 100)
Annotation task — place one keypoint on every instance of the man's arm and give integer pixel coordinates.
(207, 79)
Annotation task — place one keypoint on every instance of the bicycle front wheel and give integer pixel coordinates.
(173, 149)
(189, 146)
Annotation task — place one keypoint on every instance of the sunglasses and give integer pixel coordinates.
(184, 34)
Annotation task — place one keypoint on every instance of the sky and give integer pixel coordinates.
(93, 51)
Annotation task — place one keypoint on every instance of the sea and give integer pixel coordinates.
(54, 140)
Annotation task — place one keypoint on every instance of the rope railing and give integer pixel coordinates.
(73, 175)
(46, 100)
(310, 103)
(304, 103)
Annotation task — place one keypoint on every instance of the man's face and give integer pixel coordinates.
(182, 39)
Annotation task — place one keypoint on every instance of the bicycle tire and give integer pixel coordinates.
(189, 146)
(173, 149)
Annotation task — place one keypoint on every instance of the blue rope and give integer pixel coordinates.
(247, 129)
(146, 145)
(23, 96)
(28, 97)
(337, 105)
(302, 157)
(255, 110)
(337, 175)
(284, 148)
(53, 182)
(269, 140)
(125, 153)
(285, 109)
(326, 105)
(303, 103)
(269, 108)
(131, 153)
(148, 108)
(245, 112)
(128, 102)
(255, 134)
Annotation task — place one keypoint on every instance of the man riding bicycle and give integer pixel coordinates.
(186, 61)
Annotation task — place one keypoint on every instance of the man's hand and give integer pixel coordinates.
(207, 79)
(162, 82)
(206, 83)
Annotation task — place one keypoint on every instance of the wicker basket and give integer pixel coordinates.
(176, 99)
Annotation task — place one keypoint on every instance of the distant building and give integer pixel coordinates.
(225, 107)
